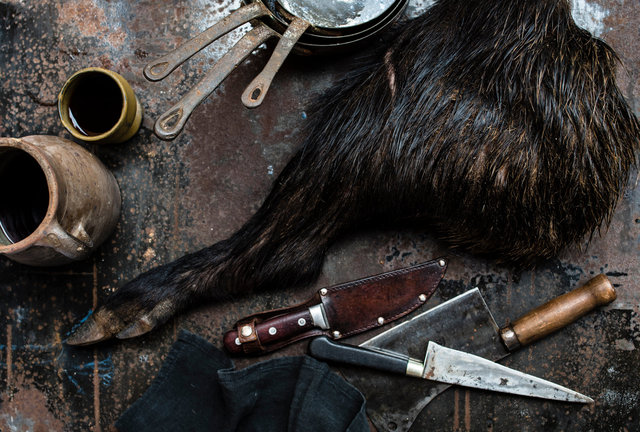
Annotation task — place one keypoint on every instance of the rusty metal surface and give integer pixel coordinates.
(170, 124)
(182, 195)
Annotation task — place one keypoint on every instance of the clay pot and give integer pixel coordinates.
(58, 202)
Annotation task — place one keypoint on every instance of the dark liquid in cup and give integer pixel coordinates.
(24, 197)
(95, 104)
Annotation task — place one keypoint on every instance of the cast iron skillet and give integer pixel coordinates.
(358, 23)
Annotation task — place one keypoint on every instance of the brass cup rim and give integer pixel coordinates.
(63, 103)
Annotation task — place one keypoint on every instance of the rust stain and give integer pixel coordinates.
(96, 391)
(429, 374)
(533, 283)
(148, 255)
(95, 285)
(28, 411)
(58, 365)
(9, 359)
(88, 19)
(96, 375)
(456, 410)
(176, 217)
(85, 16)
(467, 410)
(622, 24)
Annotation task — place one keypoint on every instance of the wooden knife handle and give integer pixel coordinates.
(281, 327)
(558, 313)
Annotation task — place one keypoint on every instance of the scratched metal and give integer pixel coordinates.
(182, 195)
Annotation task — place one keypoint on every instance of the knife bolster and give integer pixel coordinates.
(509, 338)
(414, 368)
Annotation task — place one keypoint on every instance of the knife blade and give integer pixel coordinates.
(339, 311)
(464, 323)
(448, 366)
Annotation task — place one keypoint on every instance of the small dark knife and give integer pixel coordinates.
(339, 311)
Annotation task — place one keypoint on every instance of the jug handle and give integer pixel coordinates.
(54, 236)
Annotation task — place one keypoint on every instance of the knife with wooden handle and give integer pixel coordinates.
(339, 311)
(463, 323)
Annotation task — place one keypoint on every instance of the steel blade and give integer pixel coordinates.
(456, 367)
(450, 324)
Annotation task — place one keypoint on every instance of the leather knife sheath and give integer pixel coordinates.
(339, 311)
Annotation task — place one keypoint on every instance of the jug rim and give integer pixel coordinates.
(52, 187)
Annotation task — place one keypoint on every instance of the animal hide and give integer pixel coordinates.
(497, 124)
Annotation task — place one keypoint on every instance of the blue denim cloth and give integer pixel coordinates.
(197, 389)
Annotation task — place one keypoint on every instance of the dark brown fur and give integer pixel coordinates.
(496, 123)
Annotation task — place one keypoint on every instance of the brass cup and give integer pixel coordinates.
(127, 123)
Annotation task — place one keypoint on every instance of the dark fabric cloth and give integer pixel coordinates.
(197, 389)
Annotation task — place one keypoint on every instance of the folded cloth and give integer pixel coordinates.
(197, 389)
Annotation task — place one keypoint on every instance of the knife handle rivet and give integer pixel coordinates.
(336, 334)
(238, 341)
(246, 331)
(302, 322)
(272, 331)
(442, 263)
(380, 320)
(323, 292)
(422, 298)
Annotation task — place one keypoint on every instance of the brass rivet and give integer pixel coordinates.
(422, 298)
(246, 331)
(323, 292)
(380, 320)
(273, 330)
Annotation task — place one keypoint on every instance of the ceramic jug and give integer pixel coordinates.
(58, 202)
